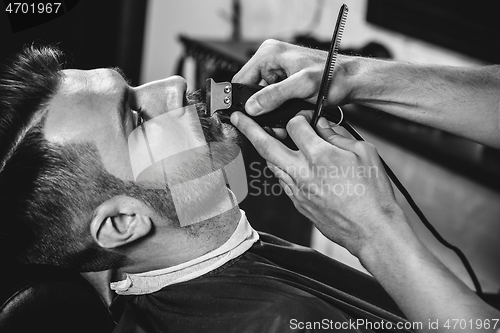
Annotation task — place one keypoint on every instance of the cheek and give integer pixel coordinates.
(115, 157)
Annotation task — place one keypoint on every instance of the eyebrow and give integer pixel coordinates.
(125, 95)
(123, 107)
(124, 99)
(122, 74)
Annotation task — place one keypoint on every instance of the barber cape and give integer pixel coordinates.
(255, 283)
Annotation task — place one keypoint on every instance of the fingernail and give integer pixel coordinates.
(323, 123)
(234, 119)
(253, 107)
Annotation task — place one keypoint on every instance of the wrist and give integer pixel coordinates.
(368, 80)
(347, 78)
(391, 236)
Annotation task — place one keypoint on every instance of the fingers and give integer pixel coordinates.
(328, 134)
(284, 179)
(273, 95)
(279, 173)
(286, 187)
(309, 142)
(279, 133)
(288, 72)
(303, 135)
(250, 73)
(262, 67)
(308, 114)
(267, 146)
(359, 148)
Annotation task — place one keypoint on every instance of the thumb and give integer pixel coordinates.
(325, 131)
(273, 95)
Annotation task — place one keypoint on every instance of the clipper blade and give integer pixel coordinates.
(218, 96)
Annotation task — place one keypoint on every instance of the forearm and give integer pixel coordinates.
(461, 100)
(425, 290)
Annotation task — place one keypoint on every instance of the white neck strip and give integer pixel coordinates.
(148, 282)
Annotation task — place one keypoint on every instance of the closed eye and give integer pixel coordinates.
(138, 118)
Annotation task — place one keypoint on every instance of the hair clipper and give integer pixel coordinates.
(224, 98)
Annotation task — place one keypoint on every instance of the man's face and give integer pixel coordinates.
(96, 106)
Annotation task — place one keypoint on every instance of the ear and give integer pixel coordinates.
(120, 221)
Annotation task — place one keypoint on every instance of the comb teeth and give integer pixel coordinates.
(337, 37)
(340, 32)
(330, 64)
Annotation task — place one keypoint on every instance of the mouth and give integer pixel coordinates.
(195, 98)
(220, 117)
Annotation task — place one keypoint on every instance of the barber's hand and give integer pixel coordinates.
(337, 182)
(288, 71)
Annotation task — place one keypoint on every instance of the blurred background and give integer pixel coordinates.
(455, 182)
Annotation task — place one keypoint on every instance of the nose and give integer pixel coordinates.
(158, 97)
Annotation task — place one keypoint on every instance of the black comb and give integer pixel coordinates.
(330, 65)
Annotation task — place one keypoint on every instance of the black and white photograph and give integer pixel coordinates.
(249, 166)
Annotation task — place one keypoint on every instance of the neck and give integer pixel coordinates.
(170, 246)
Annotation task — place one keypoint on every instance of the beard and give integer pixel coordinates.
(213, 128)
(225, 144)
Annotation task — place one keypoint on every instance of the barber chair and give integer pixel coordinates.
(41, 298)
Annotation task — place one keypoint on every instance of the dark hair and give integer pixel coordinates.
(47, 191)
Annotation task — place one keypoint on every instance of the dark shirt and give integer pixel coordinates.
(276, 286)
